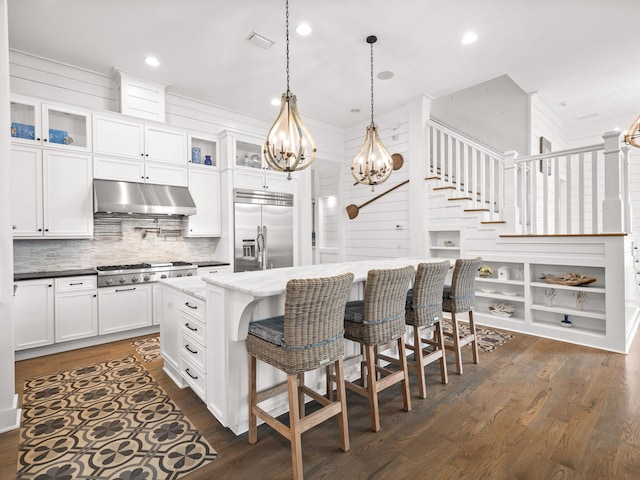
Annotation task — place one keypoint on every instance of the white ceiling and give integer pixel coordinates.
(574, 52)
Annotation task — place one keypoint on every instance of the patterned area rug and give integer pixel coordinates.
(105, 421)
(148, 348)
(488, 340)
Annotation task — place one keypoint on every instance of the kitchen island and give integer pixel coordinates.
(234, 300)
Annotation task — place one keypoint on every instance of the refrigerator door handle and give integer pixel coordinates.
(260, 248)
(265, 265)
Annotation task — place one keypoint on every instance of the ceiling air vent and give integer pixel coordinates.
(259, 40)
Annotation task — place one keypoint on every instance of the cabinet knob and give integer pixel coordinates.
(15, 227)
(142, 154)
(46, 229)
(146, 154)
(39, 229)
(95, 295)
(44, 139)
(49, 286)
(38, 139)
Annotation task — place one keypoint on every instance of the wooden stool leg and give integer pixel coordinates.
(372, 387)
(474, 344)
(456, 343)
(301, 395)
(329, 383)
(406, 394)
(295, 435)
(253, 421)
(342, 398)
(419, 358)
(444, 377)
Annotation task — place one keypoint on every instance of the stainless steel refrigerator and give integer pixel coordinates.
(263, 230)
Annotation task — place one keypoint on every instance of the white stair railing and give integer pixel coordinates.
(576, 191)
(474, 170)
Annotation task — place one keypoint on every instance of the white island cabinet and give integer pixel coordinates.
(240, 298)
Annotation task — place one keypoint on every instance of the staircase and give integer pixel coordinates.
(525, 223)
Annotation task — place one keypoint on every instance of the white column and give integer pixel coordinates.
(612, 208)
(628, 212)
(419, 114)
(9, 411)
(511, 211)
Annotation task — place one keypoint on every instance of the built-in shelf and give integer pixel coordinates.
(570, 311)
(584, 288)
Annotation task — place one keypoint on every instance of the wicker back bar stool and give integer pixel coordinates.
(376, 321)
(309, 335)
(459, 297)
(423, 313)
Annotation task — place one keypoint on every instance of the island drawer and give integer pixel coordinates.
(193, 306)
(193, 350)
(193, 376)
(193, 326)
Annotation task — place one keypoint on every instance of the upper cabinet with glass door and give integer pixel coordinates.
(43, 124)
(249, 155)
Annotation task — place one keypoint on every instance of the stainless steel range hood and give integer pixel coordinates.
(111, 196)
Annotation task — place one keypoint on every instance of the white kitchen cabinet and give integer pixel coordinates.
(125, 308)
(204, 186)
(76, 308)
(202, 146)
(214, 270)
(33, 313)
(264, 180)
(121, 137)
(43, 124)
(51, 193)
(140, 171)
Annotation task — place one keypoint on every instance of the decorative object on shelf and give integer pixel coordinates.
(196, 155)
(256, 161)
(570, 279)
(633, 133)
(60, 136)
(289, 145)
(549, 295)
(20, 130)
(520, 273)
(487, 290)
(207, 160)
(503, 273)
(448, 243)
(352, 210)
(509, 293)
(581, 298)
(566, 322)
(485, 271)
(502, 309)
(372, 164)
(246, 160)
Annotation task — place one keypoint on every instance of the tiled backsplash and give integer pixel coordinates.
(160, 243)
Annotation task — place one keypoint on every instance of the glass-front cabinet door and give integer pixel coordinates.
(36, 123)
(249, 155)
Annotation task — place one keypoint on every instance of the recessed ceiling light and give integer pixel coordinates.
(386, 75)
(152, 61)
(275, 102)
(303, 29)
(469, 37)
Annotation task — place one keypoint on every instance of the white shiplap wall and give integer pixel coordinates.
(374, 233)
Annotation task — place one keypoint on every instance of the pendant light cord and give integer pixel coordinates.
(371, 83)
(287, 27)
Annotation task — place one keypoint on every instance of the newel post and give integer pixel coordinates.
(511, 211)
(612, 208)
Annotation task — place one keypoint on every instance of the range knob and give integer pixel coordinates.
(122, 280)
(109, 281)
(163, 276)
(134, 279)
(189, 274)
(179, 275)
(146, 278)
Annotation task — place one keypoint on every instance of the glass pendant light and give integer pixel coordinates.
(289, 145)
(372, 165)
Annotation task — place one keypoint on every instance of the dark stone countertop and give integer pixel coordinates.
(211, 264)
(54, 274)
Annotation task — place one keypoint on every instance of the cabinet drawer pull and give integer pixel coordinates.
(77, 283)
(195, 352)
(195, 377)
(125, 289)
(194, 307)
(190, 327)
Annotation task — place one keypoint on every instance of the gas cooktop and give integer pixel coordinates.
(115, 275)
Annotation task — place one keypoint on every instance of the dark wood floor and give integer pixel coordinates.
(532, 409)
